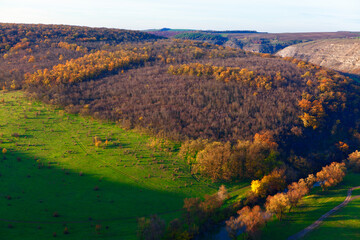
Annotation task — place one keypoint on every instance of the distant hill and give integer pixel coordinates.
(251, 40)
(12, 34)
(339, 54)
(201, 36)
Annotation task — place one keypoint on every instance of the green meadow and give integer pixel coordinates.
(54, 181)
(312, 207)
(344, 224)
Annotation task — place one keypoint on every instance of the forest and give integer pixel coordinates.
(191, 91)
(231, 115)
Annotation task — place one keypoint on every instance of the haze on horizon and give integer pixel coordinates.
(259, 15)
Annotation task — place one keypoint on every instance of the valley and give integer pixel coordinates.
(121, 134)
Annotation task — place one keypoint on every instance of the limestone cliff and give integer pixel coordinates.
(339, 54)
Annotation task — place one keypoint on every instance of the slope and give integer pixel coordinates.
(339, 54)
(53, 177)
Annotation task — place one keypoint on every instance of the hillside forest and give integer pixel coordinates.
(234, 115)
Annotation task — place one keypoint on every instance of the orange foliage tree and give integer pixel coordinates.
(331, 175)
(354, 161)
(224, 74)
(251, 218)
(88, 66)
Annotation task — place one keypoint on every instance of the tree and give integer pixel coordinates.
(262, 155)
(354, 161)
(222, 193)
(310, 180)
(252, 219)
(213, 161)
(233, 225)
(269, 184)
(151, 228)
(190, 148)
(175, 231)
(277, 204)
(210, 204)
(31, 59)
(191, 209)
(257, 187)
(296, 191)
(331, 175)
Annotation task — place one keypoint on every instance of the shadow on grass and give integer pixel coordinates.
(41, 197)
(334, 233)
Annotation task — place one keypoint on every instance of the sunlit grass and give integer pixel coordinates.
(310, 208)
(54, 167)
(344, 224)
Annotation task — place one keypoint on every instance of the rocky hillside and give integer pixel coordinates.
(339, 54)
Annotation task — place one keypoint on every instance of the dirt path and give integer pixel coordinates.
(317, 223)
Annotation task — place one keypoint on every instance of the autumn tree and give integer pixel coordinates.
(233, 225)
(210, 204)
(310, 180)
(262, 155)
(190, 148)
(277, 204)
(192, 209)
(151, 228)
(354, 161)
(251, 218)
(269, 184)
(175, 231)
(331, 175)
(31, 59)
(214, 161)
(296, 191)
(222, 193)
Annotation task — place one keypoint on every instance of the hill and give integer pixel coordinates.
(16, 36)
(253, 41)
(339, 54)
(54, 177)
(217, 113)
(192, 90)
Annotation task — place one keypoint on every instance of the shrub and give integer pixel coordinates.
(15, 135)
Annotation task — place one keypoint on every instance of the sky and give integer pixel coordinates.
(259, 15)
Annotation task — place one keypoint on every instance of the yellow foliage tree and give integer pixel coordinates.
(277, 204)
(31, 59)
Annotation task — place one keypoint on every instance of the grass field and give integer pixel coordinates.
(344, 224)
(52, 176)
(312, 207)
